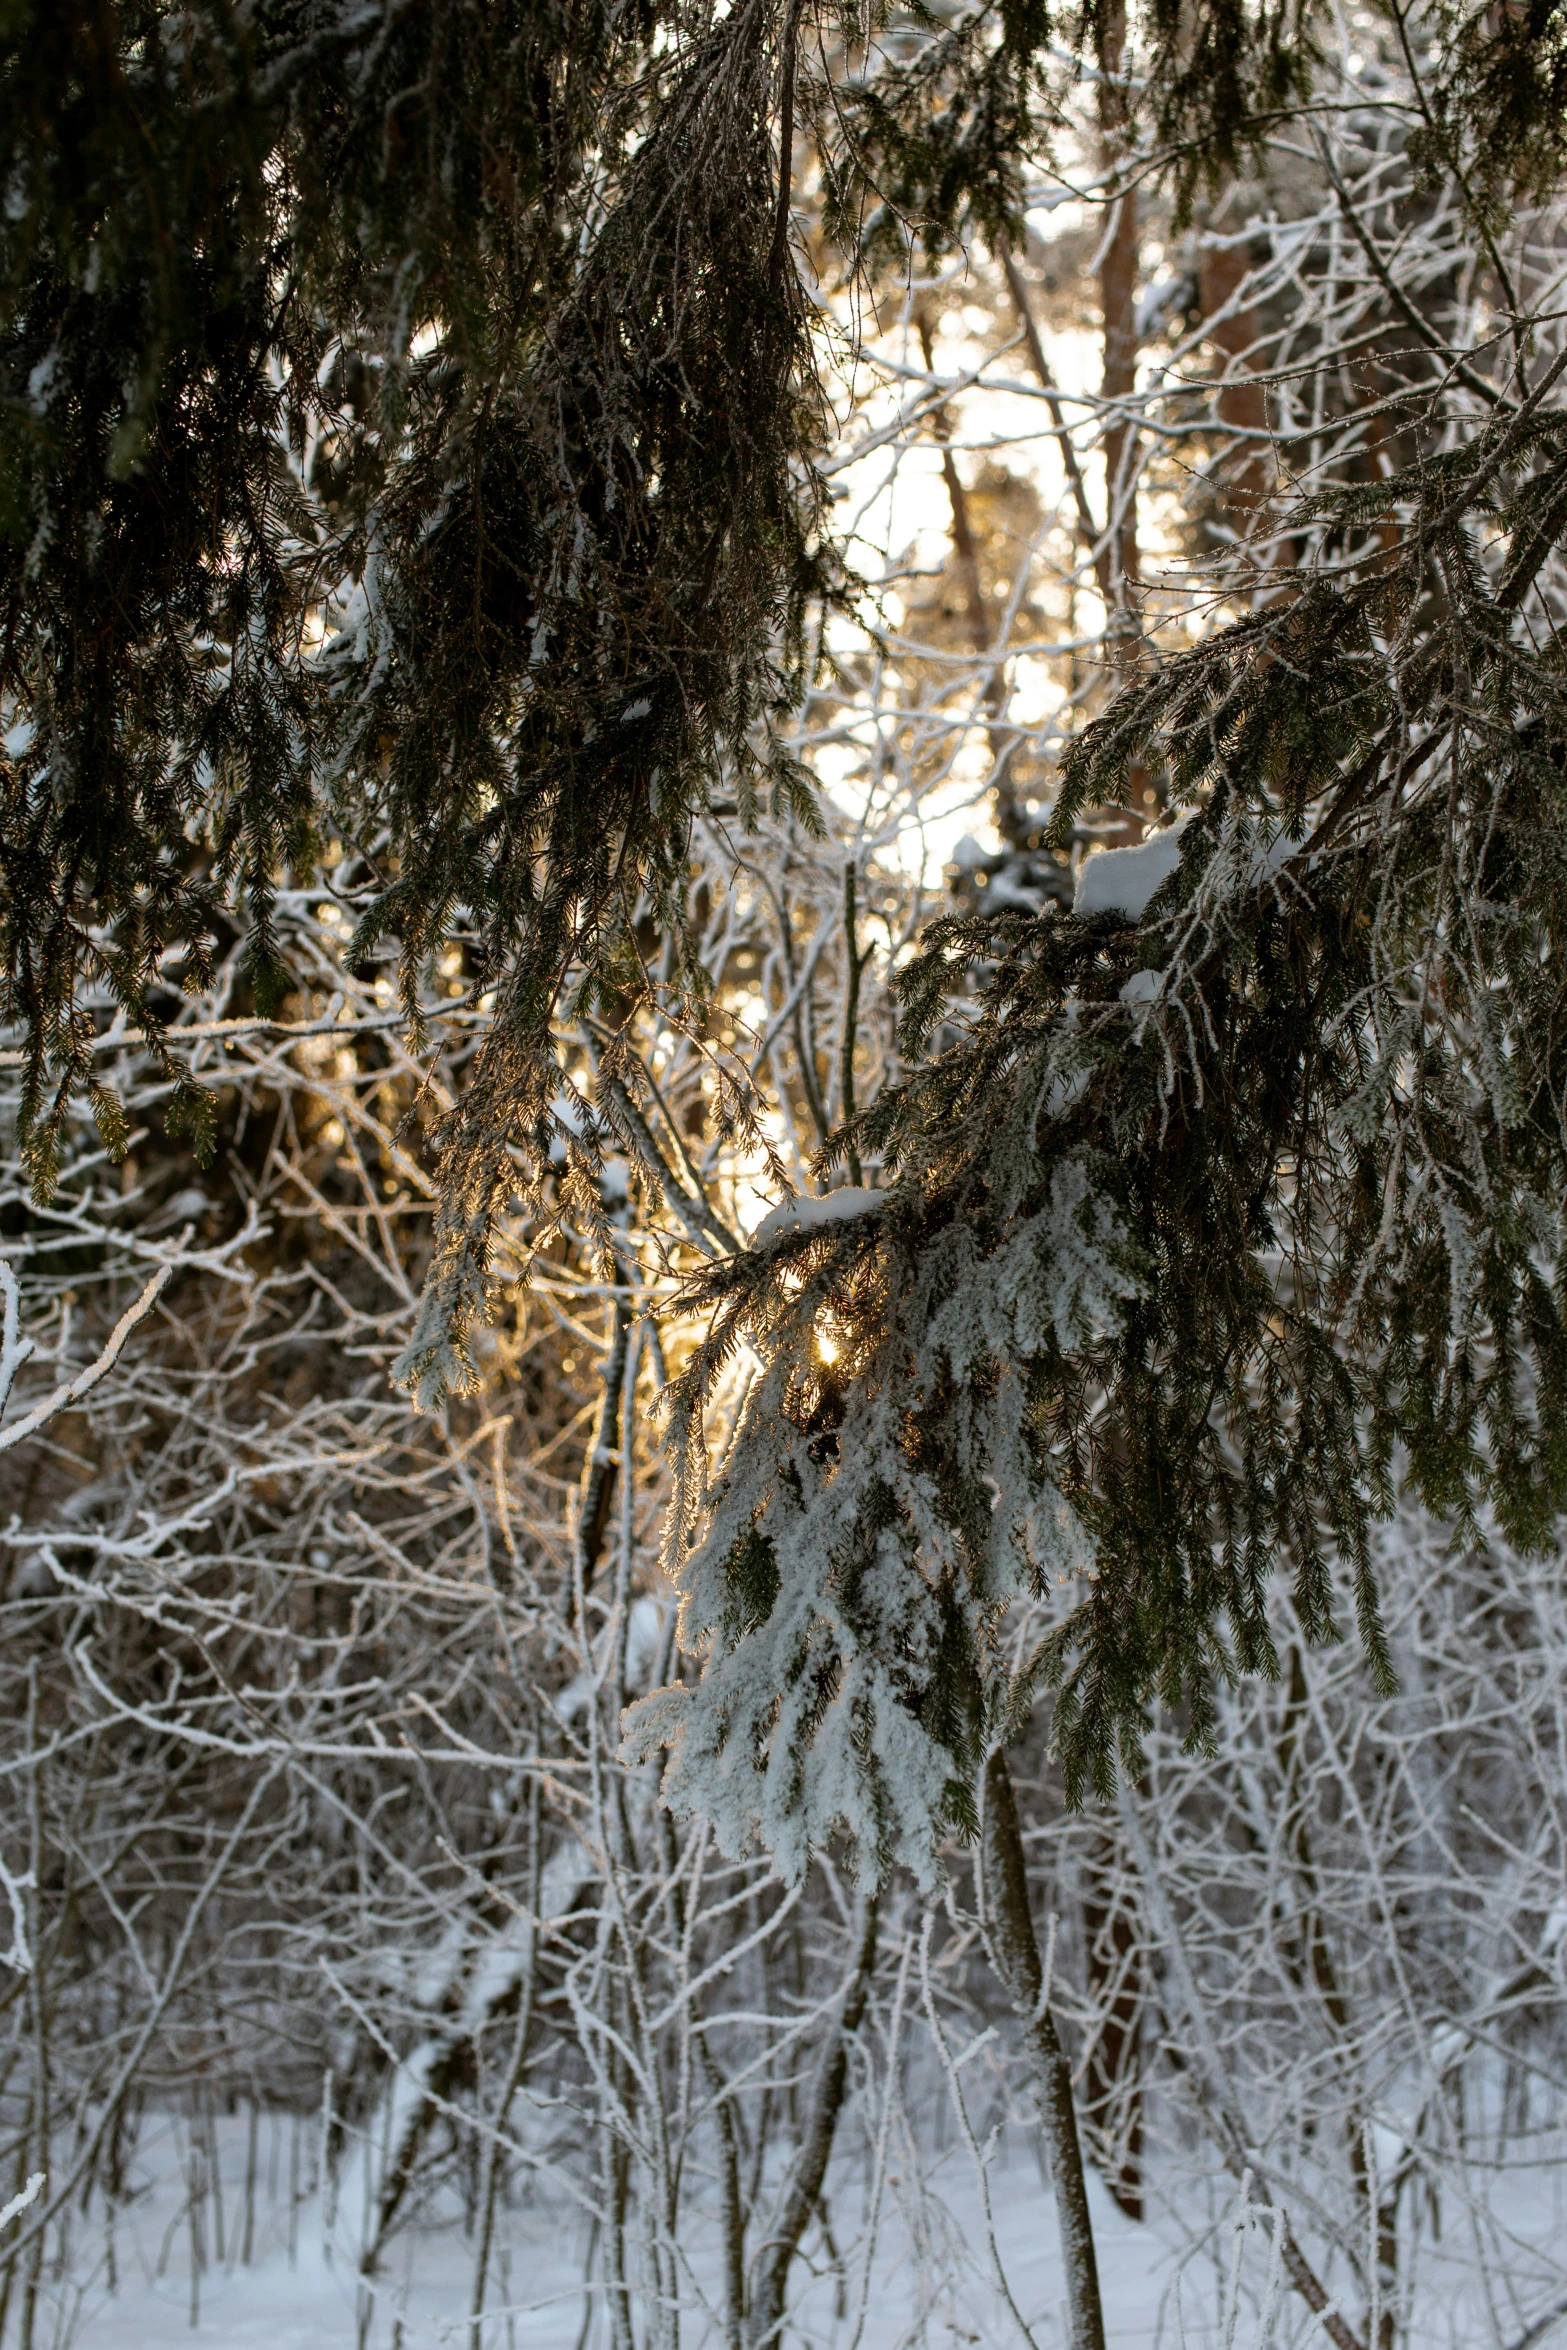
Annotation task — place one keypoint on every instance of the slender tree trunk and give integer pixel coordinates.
(1090, 533)
(602, 1457)
(1113, 2099)
(1335, 2006)
(495, 2157)
(1015, 1951)
(1011, 820)
(617, 2197)
(1247, 469)
(804, 2188)
(1118, 305)
(732, 2199)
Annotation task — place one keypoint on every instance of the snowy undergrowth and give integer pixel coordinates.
(267, 2270)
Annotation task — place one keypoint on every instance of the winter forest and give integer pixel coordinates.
(783, 1101)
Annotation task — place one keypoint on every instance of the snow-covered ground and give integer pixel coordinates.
(932, 2276)
(1204, 2280)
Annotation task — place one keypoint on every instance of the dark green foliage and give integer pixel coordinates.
(751, 1573)
(937, 143)
(1505, 68)
(146, 655)
(591, 681)
(468, 336)
(1223, 71)
(1316, 1087)
(939, 138)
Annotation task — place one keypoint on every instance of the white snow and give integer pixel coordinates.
(1121, 881)
(929, 2280)
(1144, 987)
(803, 1214)
(19, 2202)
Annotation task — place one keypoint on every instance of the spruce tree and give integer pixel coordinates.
(1220, 1202)
(1239, 1193)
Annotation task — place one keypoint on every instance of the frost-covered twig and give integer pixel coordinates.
(73, 1391)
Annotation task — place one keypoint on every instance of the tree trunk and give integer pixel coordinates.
(1011, 820)
(1113, 2094)
(1015, 1951)
(1118, 306)
(1246, 470)
(802, 2192)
